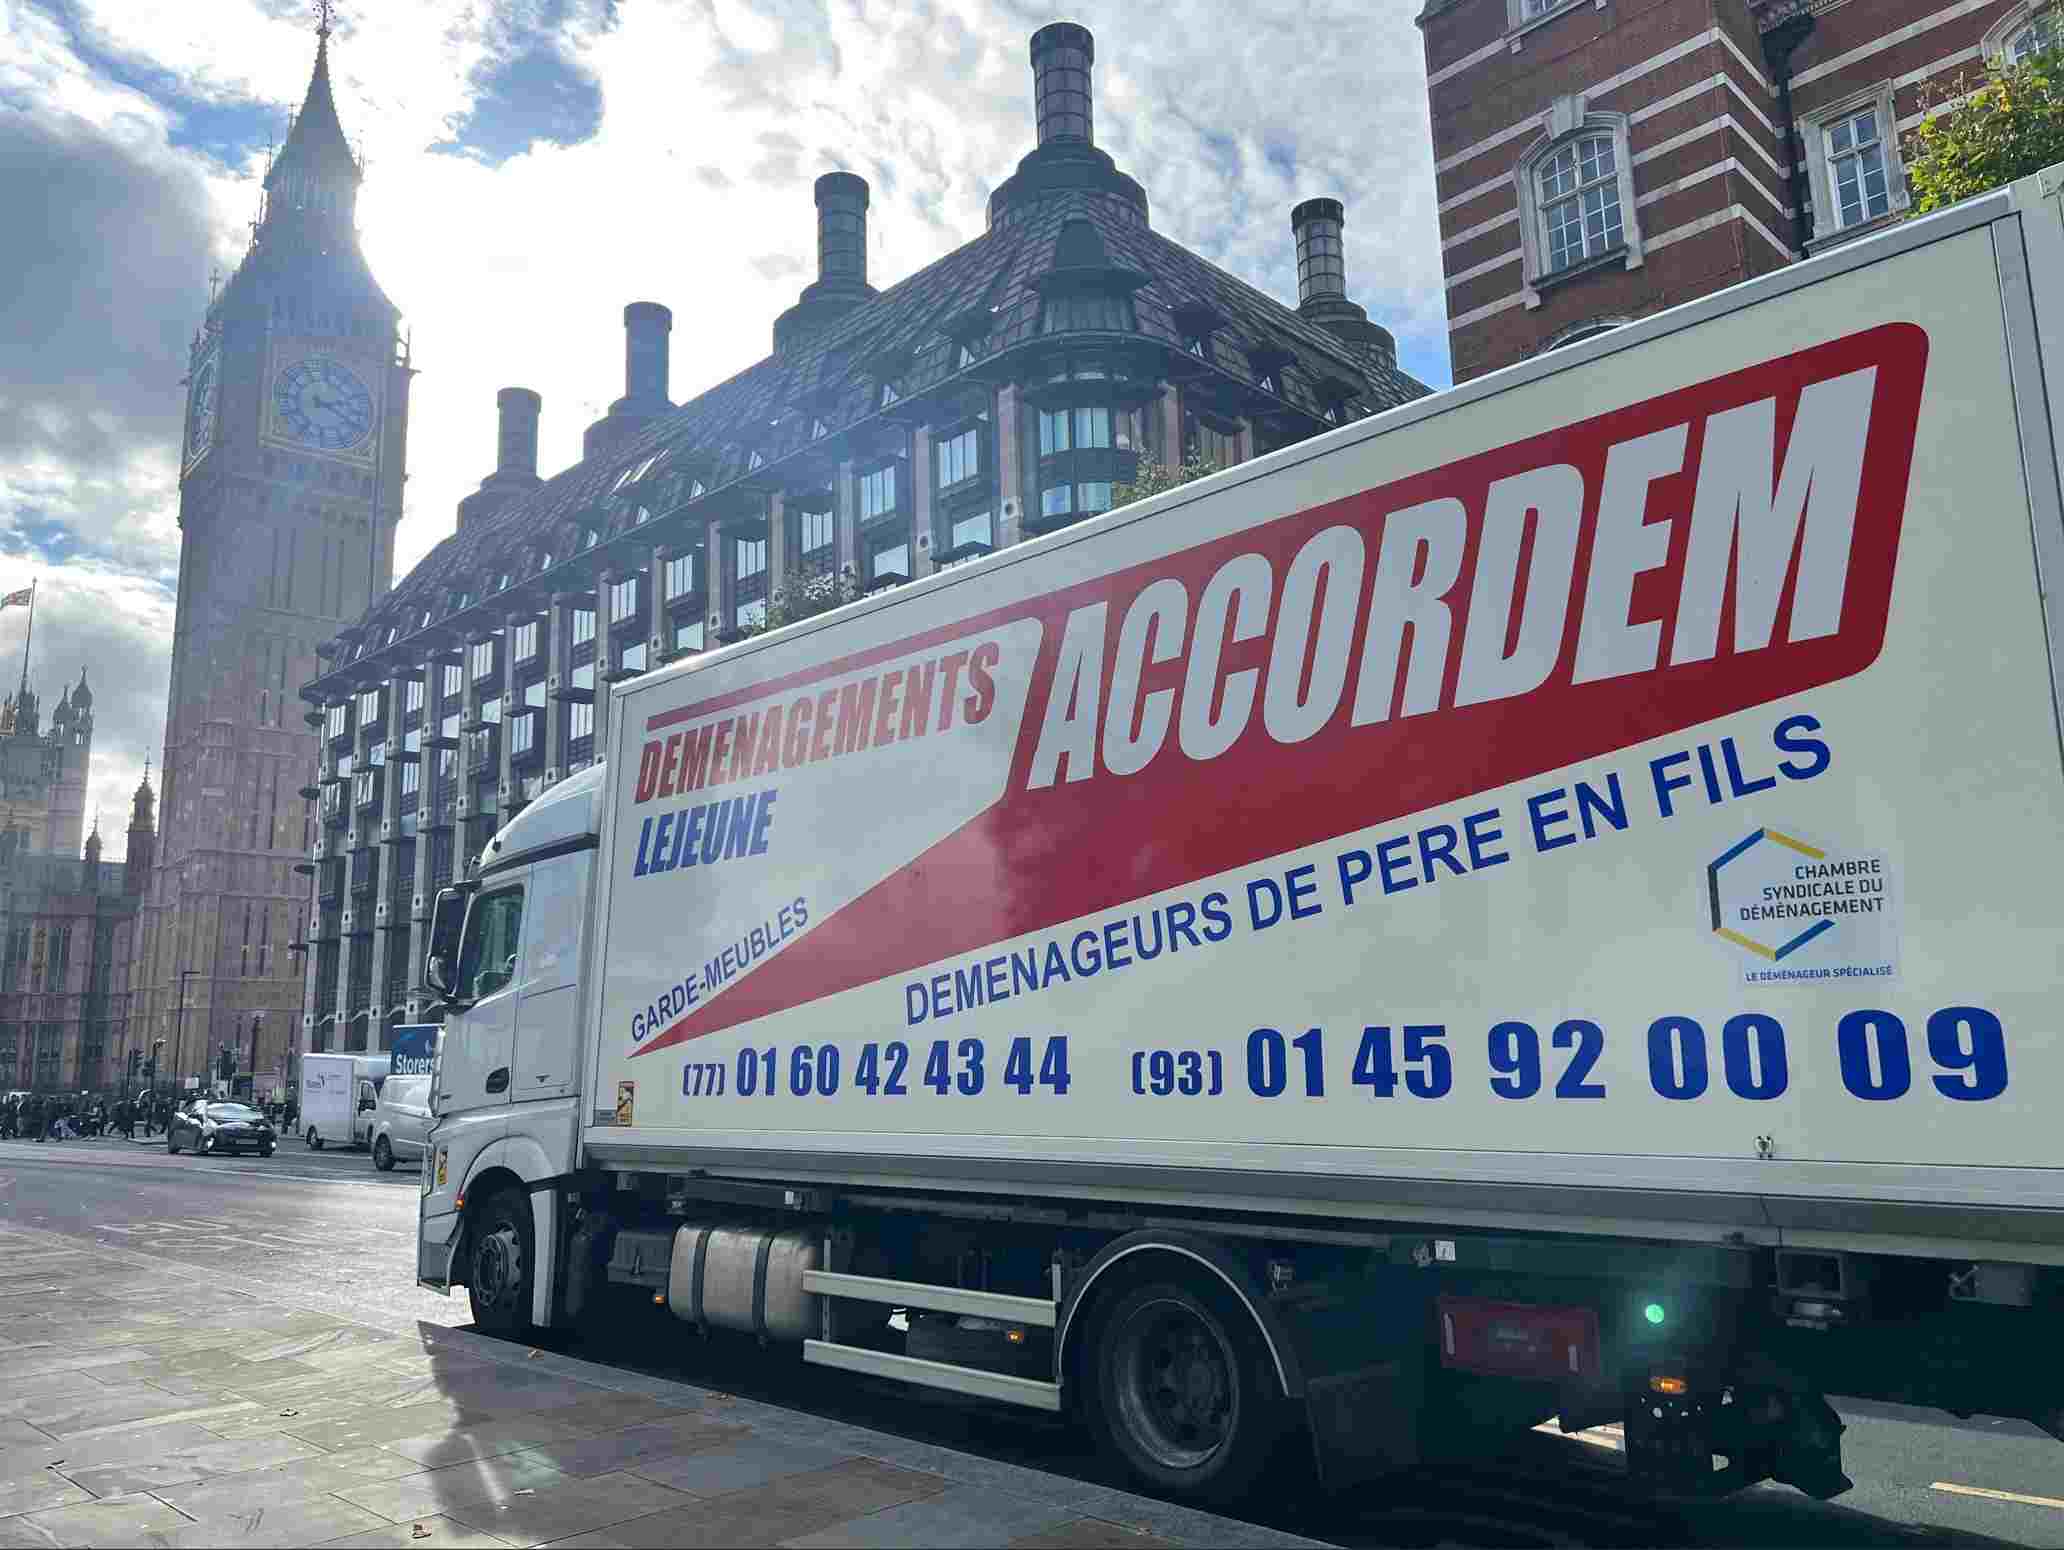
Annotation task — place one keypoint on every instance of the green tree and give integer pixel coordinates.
(2011, 126)
(1152, 478)
(805, 599)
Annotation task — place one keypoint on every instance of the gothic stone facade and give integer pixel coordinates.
(1599, 160)
(67, 921)
(997, 394)
(295, 442)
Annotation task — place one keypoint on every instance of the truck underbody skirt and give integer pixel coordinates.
(1029, 1392)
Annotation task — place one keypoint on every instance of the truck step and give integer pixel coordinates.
(1029, 1392)
(1035, 1311)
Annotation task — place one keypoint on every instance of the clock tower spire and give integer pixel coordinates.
(290, 489)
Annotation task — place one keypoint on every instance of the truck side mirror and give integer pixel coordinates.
(447, 923)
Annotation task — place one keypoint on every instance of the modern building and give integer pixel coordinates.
(1598, 160)
(296, 427)
(67, 919)
(999, 393)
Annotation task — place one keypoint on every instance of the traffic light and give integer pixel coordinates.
(135, 1061)
(225, 1063)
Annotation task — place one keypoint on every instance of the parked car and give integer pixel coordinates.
(212, 1125)
(402, 1120)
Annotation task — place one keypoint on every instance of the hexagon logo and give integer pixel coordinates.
(1804, 910)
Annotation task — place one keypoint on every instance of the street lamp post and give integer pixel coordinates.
(179, 1036)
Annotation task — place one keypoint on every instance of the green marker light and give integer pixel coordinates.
(1654, 1313)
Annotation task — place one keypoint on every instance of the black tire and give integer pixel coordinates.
(1183, 1392)
(171, 1144)
(383, 1155)
(314, 1139)
(264, 1151)
(499, 1260)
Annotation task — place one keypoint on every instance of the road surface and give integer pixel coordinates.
(342, 1235)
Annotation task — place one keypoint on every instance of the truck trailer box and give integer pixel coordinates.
(1629, 782)
(1540, 902)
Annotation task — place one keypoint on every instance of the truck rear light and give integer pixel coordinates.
(1666, 1385)
(1517, 1340)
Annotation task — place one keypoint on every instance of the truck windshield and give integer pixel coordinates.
(487, 956)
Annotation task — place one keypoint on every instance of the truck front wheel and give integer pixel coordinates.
(499, 1258)
(1184, 1394)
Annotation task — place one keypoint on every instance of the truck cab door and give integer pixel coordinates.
(479, 1046)
(547, 1027)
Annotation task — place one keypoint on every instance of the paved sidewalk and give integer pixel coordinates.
(143, 1403)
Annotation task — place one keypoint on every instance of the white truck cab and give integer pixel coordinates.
(508, 944)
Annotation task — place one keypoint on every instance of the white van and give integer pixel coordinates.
(339, 1094)
(401, 1121)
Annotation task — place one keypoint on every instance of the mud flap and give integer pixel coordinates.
(1364, 1346)
(1365, 1423)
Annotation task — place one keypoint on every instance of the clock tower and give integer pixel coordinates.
(290, 489)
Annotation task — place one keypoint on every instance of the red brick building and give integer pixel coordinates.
(1598, 160)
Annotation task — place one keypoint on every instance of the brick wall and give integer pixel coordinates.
(1711, 170)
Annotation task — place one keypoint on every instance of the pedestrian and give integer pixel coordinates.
(128, 1117)
(7, 1117)
(39, 1120)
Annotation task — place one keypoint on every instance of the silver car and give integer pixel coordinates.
(401, 1122)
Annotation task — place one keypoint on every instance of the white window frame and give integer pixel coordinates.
(1814, 128)
(1518, 23)
(1565, 121)
(1994, 44)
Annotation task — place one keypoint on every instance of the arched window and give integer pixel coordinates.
(1576, 198)
(1579, 191)
(1853, 162)
(2025, 31)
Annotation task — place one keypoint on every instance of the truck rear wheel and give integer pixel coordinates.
(383, 1155)
(1184, 1394)
(499, 1260)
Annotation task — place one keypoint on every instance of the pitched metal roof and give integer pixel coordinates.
(771, 408)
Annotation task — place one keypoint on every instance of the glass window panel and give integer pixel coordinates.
(1093, 495)
(633, 657)
(1093, 427)
(752, 613)
(583, 625)
(892, 561)
(818, 530)
(584, 676)
(751, 555)
(688, 635)
(878, 492)
(580, 722)
(680, 576)
(976, 529)
(1056, 500)
(1053, 432)
(959, 457)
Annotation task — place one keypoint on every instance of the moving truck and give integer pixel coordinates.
(1543, 902)
(338, 1097)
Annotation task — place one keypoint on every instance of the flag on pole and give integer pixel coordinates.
(22, 597)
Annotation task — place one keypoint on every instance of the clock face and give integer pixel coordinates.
(321, 403)
(201, 427)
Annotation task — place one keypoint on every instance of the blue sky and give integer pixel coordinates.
(535, 164)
